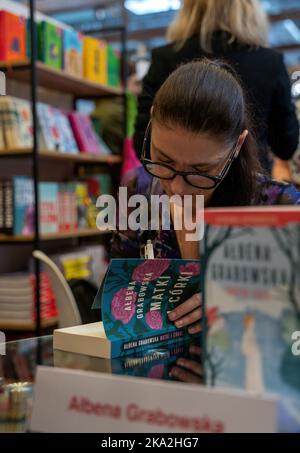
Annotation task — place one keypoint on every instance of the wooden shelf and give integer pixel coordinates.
(83, 232)
(58, 80)
(27, 326)
(56, 155)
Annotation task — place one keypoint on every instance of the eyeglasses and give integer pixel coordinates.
(193, 178)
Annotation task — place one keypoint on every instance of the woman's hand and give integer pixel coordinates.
(189, 369)
(189, 314)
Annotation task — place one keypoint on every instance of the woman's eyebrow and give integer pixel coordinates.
(201, 164)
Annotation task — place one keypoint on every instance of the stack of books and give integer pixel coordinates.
(17, 299)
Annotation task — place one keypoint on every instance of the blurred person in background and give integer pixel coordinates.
(235, 31)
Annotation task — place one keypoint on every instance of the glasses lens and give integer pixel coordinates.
(200, 181)
(159, 170)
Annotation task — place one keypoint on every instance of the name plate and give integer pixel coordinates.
(86, 402)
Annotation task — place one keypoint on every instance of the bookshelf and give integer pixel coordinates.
(80, 233)
(38, 75)
(67, 157)
(58, 80)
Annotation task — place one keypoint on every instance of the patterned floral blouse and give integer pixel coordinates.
(130, 244)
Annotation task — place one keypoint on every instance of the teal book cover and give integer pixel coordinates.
(73, 52)
(48, 194)
(23, 206)
(136, 296)
(251, 296)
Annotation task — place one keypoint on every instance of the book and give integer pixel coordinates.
(8, 214)
(10, 123)
(12, 37)
(156, 363)
(24, 118)
(48, 130)
(50, 44)
(86, 137)
(66, 139)
(48, 201)
(94, 60)
(251, 297)
(135, 298)
(73, 52)
(6, 207)
(114, 67)
(23, 200)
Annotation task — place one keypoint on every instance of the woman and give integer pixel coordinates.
(201, 144)
(234, 31)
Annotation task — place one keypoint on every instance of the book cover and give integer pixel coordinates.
(2, 214)
(12, 37)
(114, 67)
(49, 133)
(10, 123)
(8, 220)
(84, 133)
(23, 206)
(251, 296)
(67, 142)
(95, 60)
(135, 298)
(24, 117)
(73, 52)
(48, 201)
(50, 44)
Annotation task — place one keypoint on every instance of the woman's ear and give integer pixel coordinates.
(241, 141)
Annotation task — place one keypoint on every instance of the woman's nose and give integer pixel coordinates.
(178, 185)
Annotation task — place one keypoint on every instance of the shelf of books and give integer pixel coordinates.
(58, 80)
(80, 157)
(80, 233)
(69, 66)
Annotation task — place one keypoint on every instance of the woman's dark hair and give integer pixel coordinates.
(206, 97)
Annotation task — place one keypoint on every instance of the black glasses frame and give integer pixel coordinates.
(216, 180)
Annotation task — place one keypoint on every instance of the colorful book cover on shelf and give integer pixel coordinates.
(67, 142)
(12, 37)
(49, 133)
(2, 214)
(82, 197)
(8, 224)
(50, 44)
(103, 75)
(94, 60)
(84, 133)
(23, 206)
(24, 113)
(48, 193)
(251, 297)
(136, 296)
(10, 123)
(114, 68)
(73, 52)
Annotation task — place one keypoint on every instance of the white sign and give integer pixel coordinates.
(79, 402)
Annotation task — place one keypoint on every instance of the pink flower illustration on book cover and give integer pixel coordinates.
(137, 294)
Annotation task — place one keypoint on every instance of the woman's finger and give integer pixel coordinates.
(189, 319)
(185, 307)
(185, 376)
(191, 365)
